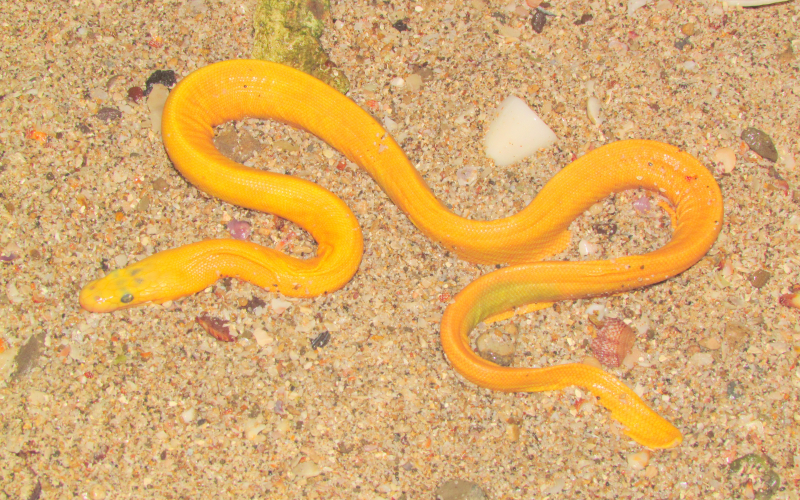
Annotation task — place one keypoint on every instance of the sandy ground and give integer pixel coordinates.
(144, 403)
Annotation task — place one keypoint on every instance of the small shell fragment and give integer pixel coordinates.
(587, 248)
(790, 300)
(215, 327)
(613, 342)
(278, 306)
(467, 176)
(593, 110)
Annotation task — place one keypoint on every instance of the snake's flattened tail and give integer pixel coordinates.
(641, 423)
(534, 283)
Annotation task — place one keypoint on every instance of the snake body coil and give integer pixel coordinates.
(234, 90)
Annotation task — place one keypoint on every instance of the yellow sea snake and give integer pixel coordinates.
(234, 90)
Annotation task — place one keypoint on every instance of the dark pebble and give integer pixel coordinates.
(400, 25)
(165, 77)
(538, 20)
(253, 304)
(144, 203)
(161, 185)
(760, 143)
(606, 228)
(135, 94)
(321, 340)
(109, 114)
(682, 43)
(585, 18)
(759, 278)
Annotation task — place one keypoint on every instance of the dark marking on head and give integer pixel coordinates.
(128, 297)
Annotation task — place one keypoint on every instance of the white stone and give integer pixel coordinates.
(516, 133)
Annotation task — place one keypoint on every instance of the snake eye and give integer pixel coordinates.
(126, 298)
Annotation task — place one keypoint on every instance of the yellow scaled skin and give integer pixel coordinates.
(234, 90)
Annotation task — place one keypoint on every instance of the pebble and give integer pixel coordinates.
(109, 114)
(663, 5)
(512, 432)
(555, 488)
(11, 252)
(508, 32)
(617, 46)
(701, 359)
(155, 103)
(760, 142)
(306, 469)
(397, 82)
(642, 205)
(389, 124)
(261, 336)
(456, 489)
(587, 248)
(98, 94)
(639, 460)
(790, 300)
(688, 29)
(165, 78)
(634, 5)
(97, 492)
(735, 334)
(413, 82)
(161, 185)
(239, 229)
(252, 427)
(121, 261)
(278, 306)
(37, 398)
(711, 343)
(626, 127)
(759, 278)
(495, 348)
(725, 160)
(538, 21)
(189, 415)
(467, 176)
(516, 133)
(135, 94)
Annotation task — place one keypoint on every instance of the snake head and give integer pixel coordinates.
(133, 285)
